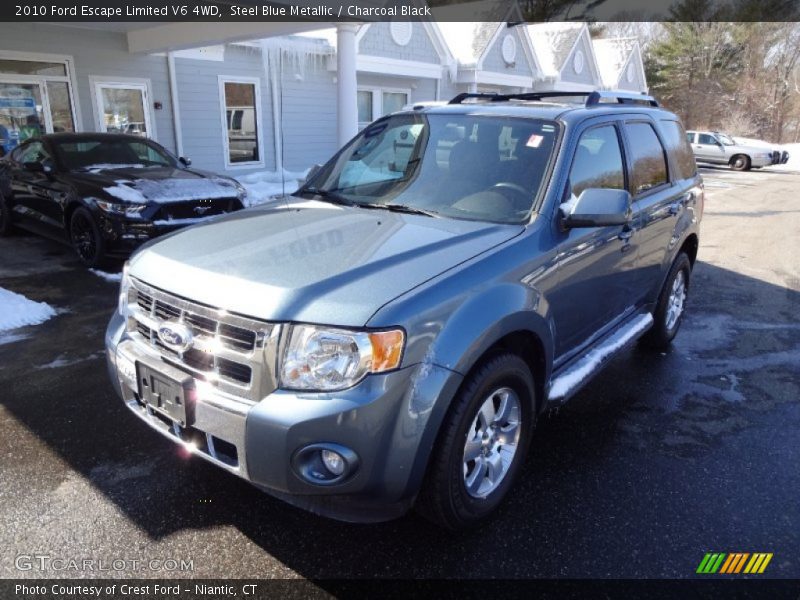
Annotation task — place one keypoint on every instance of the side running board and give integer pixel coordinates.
(569, 381)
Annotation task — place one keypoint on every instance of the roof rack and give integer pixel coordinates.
(592, 98)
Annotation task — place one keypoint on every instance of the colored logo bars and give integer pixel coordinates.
(733, 563)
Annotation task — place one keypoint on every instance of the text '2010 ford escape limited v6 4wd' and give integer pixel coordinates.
(388, 335)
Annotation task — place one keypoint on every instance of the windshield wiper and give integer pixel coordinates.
(411, 210)
(403, 208)
(328, 195)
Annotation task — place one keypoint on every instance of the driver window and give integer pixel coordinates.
(704, 138)
(597, 162)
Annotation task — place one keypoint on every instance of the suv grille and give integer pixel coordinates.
(236, 354)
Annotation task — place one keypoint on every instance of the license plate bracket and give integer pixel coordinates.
(173, 398)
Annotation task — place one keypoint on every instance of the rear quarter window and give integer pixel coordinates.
(647, 157)
(675, 139)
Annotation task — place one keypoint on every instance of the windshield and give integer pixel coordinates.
(725, 139)
(112, 153)
(475, 167)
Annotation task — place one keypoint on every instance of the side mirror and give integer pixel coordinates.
(185, 161)
(597, 207)
(33, 167)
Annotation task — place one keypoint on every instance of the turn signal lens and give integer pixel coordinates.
(387, 349)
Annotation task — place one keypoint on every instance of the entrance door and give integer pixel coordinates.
(22, 113)
(123, 108)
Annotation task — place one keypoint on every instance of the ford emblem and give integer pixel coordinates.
(175, 335)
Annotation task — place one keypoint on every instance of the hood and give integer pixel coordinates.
(160, 184)
(310, 261)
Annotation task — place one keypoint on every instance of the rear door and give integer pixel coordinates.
(659, 196)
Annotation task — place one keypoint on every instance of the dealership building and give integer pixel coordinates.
(255, 96)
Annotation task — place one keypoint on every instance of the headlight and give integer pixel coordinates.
(325, 359)
(124, 290)
(121, 208)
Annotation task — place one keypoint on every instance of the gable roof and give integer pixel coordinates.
(553, 43)
(612, 57)
(468, 42)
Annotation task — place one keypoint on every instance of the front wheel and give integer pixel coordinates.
(740, 162)
(86, 238)
(671, 305)
(482, 444)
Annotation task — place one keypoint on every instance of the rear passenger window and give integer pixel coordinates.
(647, 156)
(597, 162)
(678, 147)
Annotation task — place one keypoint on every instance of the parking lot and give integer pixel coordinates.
(664, 457)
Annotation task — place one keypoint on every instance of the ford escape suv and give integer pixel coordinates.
(387, 335)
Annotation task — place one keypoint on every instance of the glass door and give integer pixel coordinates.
(22, 113)
(123, 108)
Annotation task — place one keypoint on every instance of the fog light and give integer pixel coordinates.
(333, 461)
(325, 463)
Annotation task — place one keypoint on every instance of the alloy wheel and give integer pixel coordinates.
(677, 300)
(83, 238)
(492, 442)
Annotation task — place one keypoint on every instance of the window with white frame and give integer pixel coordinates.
(374, 103)
(123, 106)
(240, 101)
(36, 96)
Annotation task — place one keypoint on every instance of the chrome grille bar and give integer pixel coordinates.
(235, 354)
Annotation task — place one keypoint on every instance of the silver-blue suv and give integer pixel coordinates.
(388, 335)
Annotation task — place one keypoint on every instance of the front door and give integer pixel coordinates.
(595, 263)
(707, 148)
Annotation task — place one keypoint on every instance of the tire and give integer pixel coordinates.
(6, 227)
(85, 237)
(459, 492)
(671, 305)
(740, 162)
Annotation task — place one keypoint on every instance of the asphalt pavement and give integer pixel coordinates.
(662, 458)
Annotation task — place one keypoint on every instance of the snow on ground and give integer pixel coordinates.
(18, 311)
(265, 185)
(107, 276)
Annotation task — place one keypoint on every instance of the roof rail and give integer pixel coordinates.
(620, 97)
(467, 95)
(592, 98)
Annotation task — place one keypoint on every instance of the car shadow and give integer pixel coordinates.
(608, 473)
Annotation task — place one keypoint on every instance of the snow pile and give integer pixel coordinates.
(112, 277)
(18, 311)
(172, 190)
(265, 185)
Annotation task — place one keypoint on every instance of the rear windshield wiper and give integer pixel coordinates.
(330, 196)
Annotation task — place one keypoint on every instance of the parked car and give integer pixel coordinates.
(106, 194)
(390, 334)
(720, 149)
(779, 156)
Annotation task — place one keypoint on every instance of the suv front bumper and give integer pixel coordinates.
(383, 420)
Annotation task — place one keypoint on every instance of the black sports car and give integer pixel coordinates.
(106, 193)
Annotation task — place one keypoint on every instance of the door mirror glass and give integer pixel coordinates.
(597, 207)
(34, 167)
(185, 161)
